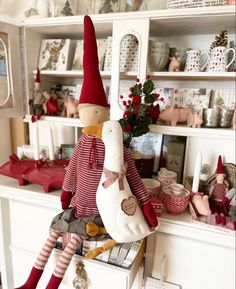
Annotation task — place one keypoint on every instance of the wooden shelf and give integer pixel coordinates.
(183, 130)
(182, 75)
(74, 122)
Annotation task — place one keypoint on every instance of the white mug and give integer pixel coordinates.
(193, 61)
(218, 59)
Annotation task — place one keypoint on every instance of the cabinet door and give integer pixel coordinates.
(121, 28)
(11, 102)
(194, 264)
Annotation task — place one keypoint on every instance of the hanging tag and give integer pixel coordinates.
(152, 283)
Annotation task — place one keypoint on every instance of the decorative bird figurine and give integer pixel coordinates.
(118, 207)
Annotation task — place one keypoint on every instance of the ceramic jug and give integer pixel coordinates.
(193, 61)
(219, 59)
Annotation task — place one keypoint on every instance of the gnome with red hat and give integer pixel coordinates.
(83, 175)
(37, 99)
(217, 195)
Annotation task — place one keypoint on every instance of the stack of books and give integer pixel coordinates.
(122, 254)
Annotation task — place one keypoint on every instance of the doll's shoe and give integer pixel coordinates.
(33, 119)
(223, 220)
(38, 116)
(218, 219)
(33, 279)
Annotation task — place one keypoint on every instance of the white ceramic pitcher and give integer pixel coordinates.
(218, 59)
(193, 61)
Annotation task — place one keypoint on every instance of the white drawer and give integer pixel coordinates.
(100, 275)
(30, 225)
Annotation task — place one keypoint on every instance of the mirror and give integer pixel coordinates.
(5, 94)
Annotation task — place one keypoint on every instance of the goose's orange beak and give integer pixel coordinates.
(95, 130)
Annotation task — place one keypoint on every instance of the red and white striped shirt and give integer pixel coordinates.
(84, 173)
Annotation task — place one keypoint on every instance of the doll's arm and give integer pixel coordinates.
(138, 189)
(65, 199)
(70, 180)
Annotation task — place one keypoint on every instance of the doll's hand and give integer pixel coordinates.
(149, 214)
(65, 199)
(225, 201)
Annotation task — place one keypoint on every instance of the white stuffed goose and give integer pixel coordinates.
(118, 207)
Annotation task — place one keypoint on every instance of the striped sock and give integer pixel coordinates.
(63, 262)
(46, 250)
(41, 261)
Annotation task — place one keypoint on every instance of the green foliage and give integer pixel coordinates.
(137, 118)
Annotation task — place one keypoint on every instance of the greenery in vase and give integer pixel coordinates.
(141, 110)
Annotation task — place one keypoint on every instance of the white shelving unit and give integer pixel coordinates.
(198, 256)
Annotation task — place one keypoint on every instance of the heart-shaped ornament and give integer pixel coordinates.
(129, 206)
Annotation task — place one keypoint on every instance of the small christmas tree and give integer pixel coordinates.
(220, 40)
(67, 11)
(140, 110)
(106, 8)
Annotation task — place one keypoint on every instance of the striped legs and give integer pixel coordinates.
(41, 261)
(63, 262)
(46, 250)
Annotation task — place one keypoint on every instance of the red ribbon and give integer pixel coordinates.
(111, 177)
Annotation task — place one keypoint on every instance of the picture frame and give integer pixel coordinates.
(54, 54)
(79, 52)
(66, 151)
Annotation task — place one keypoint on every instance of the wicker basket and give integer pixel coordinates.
(172, 4)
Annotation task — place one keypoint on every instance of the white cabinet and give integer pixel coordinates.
(187, 246)
(25, 216)
(197, 256)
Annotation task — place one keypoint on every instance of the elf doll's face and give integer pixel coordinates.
(90, 114)
(220, 178)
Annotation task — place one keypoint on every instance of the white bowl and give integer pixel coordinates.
(153, 186)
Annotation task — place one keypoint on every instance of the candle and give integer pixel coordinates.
(197, 171)
(36, 142)
(50, 144)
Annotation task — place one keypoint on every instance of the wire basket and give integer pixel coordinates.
(172, 4)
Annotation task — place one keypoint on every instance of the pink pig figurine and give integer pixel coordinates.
(71, 107)
(175, 115)
(195, 119)
(200, 204)
(174, 64)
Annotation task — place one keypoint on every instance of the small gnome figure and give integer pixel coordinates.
(37, 99)
(217, 194)
(230, 201)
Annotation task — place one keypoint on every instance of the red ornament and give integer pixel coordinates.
(136, 99)
(121, 96)
(127, 128)
(126, 113)
(153, 112)
(52, 106)
(124, 103)
(137, 80)
(131, 89)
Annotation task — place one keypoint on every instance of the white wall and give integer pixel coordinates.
(5, 143)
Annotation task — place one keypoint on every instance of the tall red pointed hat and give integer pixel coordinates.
(37, 77)
(220, 168)
(92, 91)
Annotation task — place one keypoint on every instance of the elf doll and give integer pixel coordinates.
(217, 195)
(37, 99)
(83, 174)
